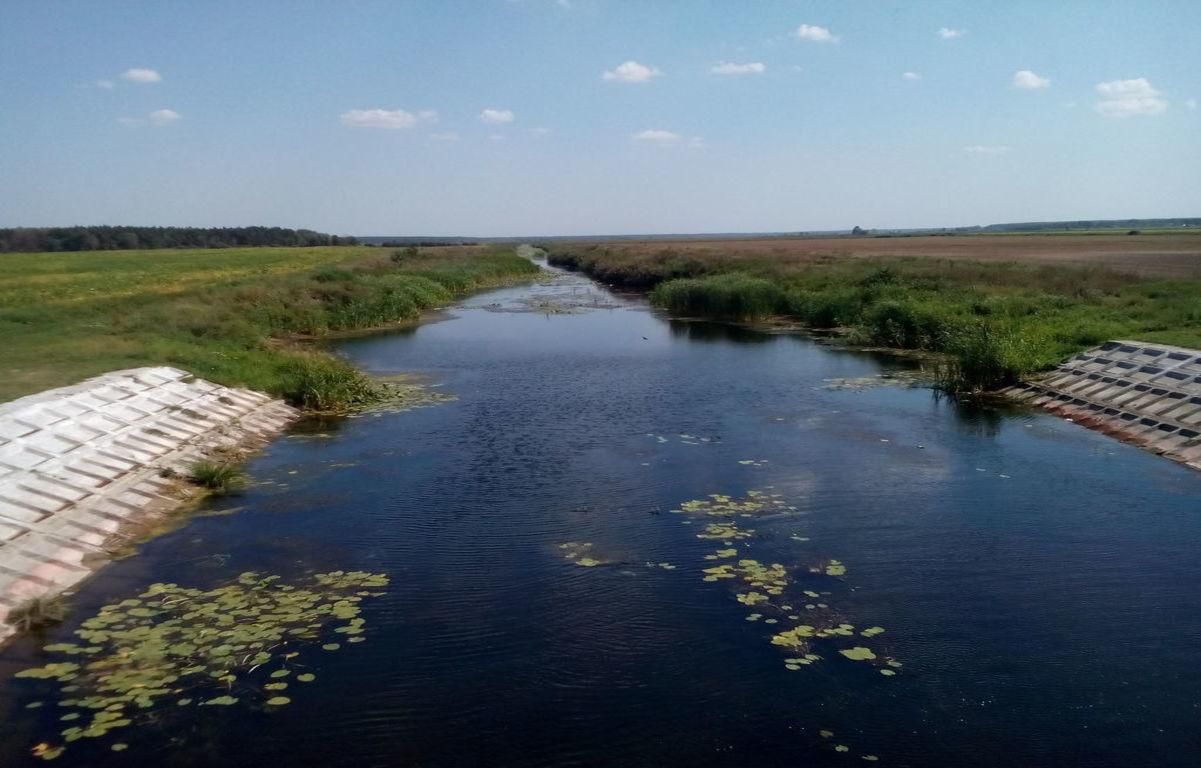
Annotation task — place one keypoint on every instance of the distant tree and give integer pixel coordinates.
(114, 238)
(858, 231)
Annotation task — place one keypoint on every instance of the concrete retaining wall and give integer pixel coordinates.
(81, 467)
(1146, 394)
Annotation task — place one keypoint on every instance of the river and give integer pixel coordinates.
(550, 605)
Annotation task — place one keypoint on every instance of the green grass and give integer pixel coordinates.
(228, 315)
(218, 477)
(995, 321)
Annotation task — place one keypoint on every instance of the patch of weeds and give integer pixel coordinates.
(218, 477)
(37, 613)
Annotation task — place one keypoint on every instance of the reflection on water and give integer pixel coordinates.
(989, 587)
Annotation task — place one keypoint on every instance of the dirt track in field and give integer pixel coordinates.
(1168, 255)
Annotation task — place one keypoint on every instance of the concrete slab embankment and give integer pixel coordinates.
(81, 467)
(1146, 394)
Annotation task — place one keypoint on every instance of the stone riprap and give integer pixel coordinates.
(84, 467)
(1146, 394)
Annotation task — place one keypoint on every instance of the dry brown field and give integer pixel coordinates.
(1147, 255)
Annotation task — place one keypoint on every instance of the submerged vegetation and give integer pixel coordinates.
(241, 643)
(994, 321)
(231, 316)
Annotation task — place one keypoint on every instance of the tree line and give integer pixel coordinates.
(28, 239)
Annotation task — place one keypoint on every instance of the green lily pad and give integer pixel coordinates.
(220, 701)
(859, 653)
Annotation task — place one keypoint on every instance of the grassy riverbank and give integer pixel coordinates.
(232, 316)
(995, 320)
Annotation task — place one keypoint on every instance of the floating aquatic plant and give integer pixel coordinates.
(581, 553)
(859, 653)
(724, 532)
(753, 504)
(179, 645)
(402, 393)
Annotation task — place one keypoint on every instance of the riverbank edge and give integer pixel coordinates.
(142, 498)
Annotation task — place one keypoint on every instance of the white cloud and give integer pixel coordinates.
(393, 119)
(982, 149)
(445, 136)
(540, 131)
(946, 33)
(1191, 104)
(730, 68)
(1126, 98)
(496, 137)
(696, 142)
(657, 136)
(138, 75)
(163, 116)
(631, 72)
(1028, 81)
(105, 84)
(428, 116)
(910, 76)
(814, 34)
(497, 116)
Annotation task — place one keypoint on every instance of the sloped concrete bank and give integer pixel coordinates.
(1145, 394)
(85, 468)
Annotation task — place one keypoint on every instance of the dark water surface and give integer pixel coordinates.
(1038, 582)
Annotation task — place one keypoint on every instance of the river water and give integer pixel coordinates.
(1037, 583)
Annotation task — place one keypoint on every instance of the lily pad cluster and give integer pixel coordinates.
(755, 503)
(176, 645)
(765, 588)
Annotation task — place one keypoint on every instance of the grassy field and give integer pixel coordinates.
(1000, 307)
(228, 315)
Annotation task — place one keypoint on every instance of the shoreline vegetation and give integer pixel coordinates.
(234, 316)
(994, 322)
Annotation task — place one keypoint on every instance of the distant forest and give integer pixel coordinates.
(120, 238)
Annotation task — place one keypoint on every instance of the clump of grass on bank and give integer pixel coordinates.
(995, 321)
(37, 613)
(218, 477)
(232, 316)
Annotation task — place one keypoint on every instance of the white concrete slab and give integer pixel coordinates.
(80, 465)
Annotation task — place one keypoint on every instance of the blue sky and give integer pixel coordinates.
(516, 117)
